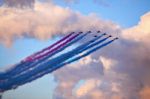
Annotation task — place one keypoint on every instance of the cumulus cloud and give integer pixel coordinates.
(89, 85)
(145, 93)
(140, 32)
(124, 67)
(46, 20)
(107, 63)
(74, 73)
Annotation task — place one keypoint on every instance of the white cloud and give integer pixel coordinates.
(46, 20)
(126, 77)
(140, 32)
(107, 63)
(87, 87)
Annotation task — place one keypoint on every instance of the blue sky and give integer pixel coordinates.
(126, 13)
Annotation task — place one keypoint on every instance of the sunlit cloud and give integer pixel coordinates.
(40, 23)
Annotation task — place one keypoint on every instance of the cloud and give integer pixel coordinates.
(19, 3)
(89, 85)
(140, 32)
(46, 20)
(30, 3)
(132, 58)
(145, 93)
(122, 67)
(73, 74)
(107, 63)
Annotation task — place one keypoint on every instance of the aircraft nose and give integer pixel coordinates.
(104, 34)
(89, 32)
(98, 31)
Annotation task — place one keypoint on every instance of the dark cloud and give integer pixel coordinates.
(19, 3)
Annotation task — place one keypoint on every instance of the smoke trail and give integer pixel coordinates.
(48, 48)
(87, 44)
(20, 68)
(26, 60)
(43, 59)
(54, 49)
(89, 52)
(41, 68)
(84, 55)
(43, 73)
(65, 63)
(91, 45)
(63, 44)
(51, 54)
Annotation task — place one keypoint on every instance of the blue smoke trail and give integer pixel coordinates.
(51, 54)
(68, 62)
(91, 44)
(23, 63)
(66, 54)
(37, 70)
(51, 46)
(17, 71)
(90, 51)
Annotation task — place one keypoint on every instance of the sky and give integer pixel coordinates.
(119, 71)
